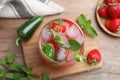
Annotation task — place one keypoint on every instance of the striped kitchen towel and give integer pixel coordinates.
(29, 8)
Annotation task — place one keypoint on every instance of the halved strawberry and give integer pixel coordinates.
(58, 27)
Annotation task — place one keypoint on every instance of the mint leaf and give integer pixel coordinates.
(2, 73)
(15, 67)
(81, 20)
(7, 60)
(25, 79)
(18, 76)
(9, 75)
(48, 50)
(74, 45)
(10, 58)
(25, 69)
(86, 25)
(91, 31)
(58, 40)
(57, 37)
(61, 40)
(3, 62)
(20, 68)
(45, 77)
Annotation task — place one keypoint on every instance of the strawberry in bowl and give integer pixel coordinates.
(59, 40)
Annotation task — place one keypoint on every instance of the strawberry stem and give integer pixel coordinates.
(94, 62)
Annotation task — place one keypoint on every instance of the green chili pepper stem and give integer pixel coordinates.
(17, 41)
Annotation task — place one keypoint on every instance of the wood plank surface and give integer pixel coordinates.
(109, 46)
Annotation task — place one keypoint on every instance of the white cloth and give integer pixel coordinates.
(29, 8)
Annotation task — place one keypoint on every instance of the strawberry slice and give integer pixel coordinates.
(69, 56)
(58, 27)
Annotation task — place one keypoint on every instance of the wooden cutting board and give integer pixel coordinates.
(33, 59)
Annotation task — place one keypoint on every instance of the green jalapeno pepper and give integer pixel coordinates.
(27, 29)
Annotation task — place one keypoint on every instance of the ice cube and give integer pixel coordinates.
(47, 34)
(61, 54)
(73, 32)
(80, 39)
(65, 42)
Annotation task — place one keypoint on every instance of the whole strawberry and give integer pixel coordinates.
(112, 1)
(103, 11)
(94, 57)
(113, 11)
(113, 24)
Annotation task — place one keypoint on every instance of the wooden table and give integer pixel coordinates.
(109, 46)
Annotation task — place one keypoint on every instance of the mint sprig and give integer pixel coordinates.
(86, 25)
(13, 71)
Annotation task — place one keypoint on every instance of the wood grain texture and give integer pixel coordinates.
(109, 46)
(33, 59)
(101, 21)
